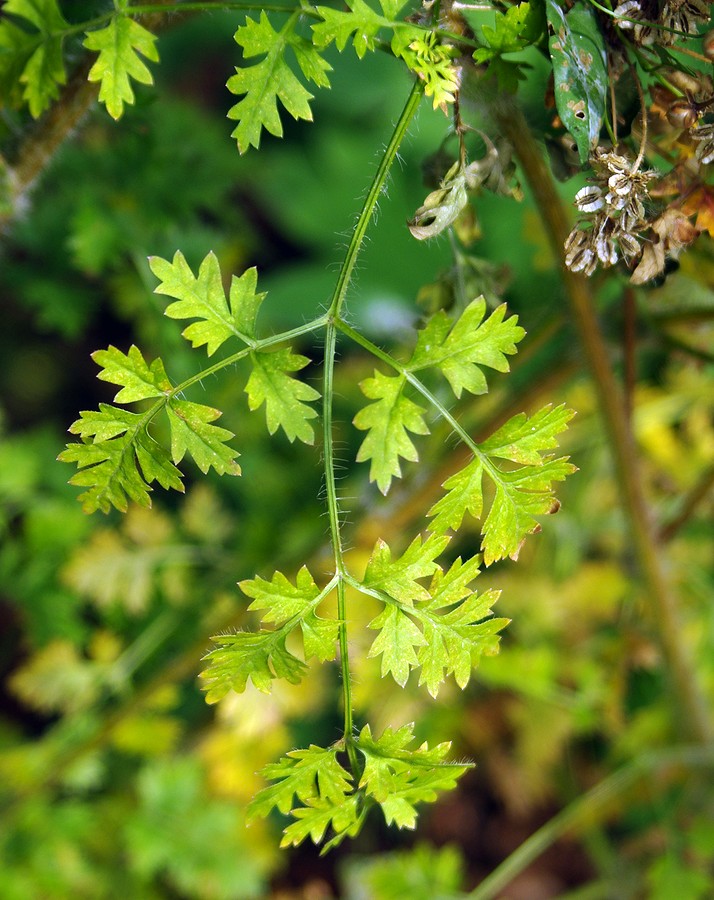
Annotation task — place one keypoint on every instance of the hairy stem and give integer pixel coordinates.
(666, 614)
(338, 298)
(376, 188)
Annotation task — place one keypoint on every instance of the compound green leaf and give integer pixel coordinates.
(308, 774)
(192, 432)
(517, 28)
(399, 778)
(577, 50)
(387, 422)
(16, 47)
(459, 349)
(204, 298)
(319, 636)
(109, 471)
(285, 397)
(284, 601)
(107, 423)
(464, 493)
(523, 439)
(45, 15)
(155, 463)
(140, 381)
(456, 628)
(360, 22)
(399, 578)
(119, 45)
(36, 61)
(396, 642)
(260, 656)
(520, 497)
(272, 79)
(43, 75)
(281, 599)
(342, 817)
(121, 462)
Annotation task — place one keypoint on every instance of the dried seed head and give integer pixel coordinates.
(585, 261)
(704, 136)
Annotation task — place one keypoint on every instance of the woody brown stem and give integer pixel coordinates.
(689, 701)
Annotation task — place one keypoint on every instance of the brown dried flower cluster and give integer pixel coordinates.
(675, 18)
(613, 215)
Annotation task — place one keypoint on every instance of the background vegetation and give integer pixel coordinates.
(115, 777)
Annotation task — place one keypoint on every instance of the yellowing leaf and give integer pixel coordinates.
(285, 602)
(521, 494)
(445, 628)
(398, 778)
(119, 45)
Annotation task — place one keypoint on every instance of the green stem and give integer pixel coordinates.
(594, 803)
(689, 700)
(261, 344)
(332, 323)
(333, 510)
(376, 188)
(489, 467)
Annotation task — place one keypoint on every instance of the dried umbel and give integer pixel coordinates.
(613, 214)
(676, 17)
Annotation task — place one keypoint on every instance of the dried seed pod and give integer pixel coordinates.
(589, 199)
(683, 114)
(575, 243)
(620, 184)
(626, 12)
(606, 250)
(705, 151)
(629, 245)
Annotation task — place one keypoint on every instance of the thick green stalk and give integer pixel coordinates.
(690, 703)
